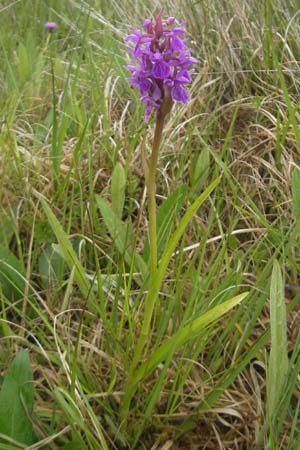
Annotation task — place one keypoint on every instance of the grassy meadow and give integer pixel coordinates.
(219, 363)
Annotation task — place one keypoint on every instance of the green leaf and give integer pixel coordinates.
(73, 445)
(187, 333)
(200, 169)
(115, 431)
(6, 228)
(118, 182)
(278, 360)
(12, 276)
(122, 236)
(153, 291)
(69, 254)
(296, 196)
(17, 391)
(9, 447)
(24, 66)
(165, 218)
(51, 265)
(291, 108)
(78, 422)
(173, 241)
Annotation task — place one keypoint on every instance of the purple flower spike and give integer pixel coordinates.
(162, 64)
(50, 26)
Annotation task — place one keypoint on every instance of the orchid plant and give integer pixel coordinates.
(161, 70)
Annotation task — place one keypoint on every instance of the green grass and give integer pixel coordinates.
(74, 251)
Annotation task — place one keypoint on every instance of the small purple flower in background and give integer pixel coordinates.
(50, 26)
(162, 64)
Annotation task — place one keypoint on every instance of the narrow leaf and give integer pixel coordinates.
(77, 421)
(187, 333)
(24, 66)
(286, 95)
(51, 266)
(165, 218)
(118, 182)
(278, 361)
(168, 252)
(122, 235)
(200, 169)
(69, 253)
(12, 276)
(296, 195)
(173, 241)
(6, 228)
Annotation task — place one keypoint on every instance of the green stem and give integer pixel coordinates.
(151, 184)
(152, 294)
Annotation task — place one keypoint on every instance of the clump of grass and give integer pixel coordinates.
(71, 289)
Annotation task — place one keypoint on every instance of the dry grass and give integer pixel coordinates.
(240, 114)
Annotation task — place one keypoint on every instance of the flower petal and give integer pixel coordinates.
(161, 70)
(169, 82)
(146, 23)
(177, 44)
(144, 85)
(170, 20)
(179, 94)
(183, 76)
(156, 93)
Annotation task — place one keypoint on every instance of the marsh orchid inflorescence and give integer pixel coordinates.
(162, 64)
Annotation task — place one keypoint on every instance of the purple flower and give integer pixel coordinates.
(50, 26)
(162, 62)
